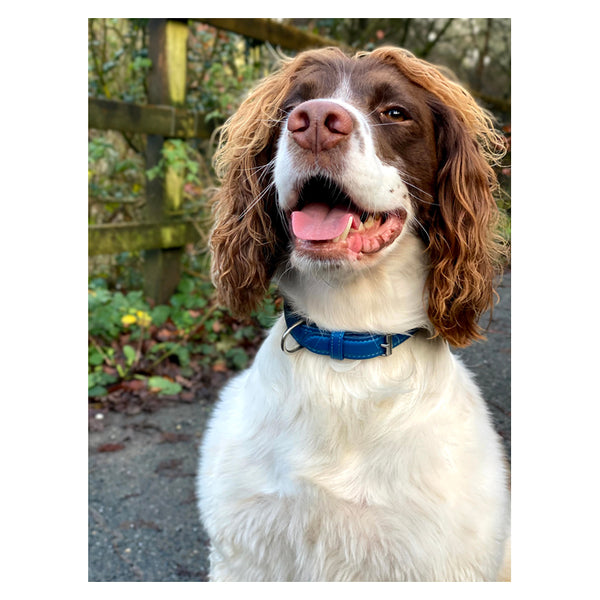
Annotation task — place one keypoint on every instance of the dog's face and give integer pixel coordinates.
(333, 161)
(355, 155)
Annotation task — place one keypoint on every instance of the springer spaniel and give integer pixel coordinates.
(357, 447)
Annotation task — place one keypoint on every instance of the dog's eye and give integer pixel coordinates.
(396, 113)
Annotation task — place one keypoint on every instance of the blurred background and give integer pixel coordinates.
(158, 90)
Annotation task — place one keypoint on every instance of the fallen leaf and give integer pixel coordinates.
(164, 334)
(168, 437)
(111, 447)
(169, 465)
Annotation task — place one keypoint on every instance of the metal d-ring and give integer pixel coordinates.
(284, 336)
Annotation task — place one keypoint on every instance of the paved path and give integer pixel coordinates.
(143, 523)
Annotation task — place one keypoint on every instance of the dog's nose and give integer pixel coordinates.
(319, 125)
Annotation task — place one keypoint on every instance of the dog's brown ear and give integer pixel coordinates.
(464, 246)
(247, 233)
(243, 240)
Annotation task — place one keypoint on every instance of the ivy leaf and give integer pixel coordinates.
(129, 353)
(97, 390)
(95, 357)
(160, 314)
(163, 386)
(238, 357)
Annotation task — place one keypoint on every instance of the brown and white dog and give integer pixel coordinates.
(357, 447)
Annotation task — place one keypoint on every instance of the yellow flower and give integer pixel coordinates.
(143, 318)
(128, 320)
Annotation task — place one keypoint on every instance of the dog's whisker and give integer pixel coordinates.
(422, 227)
(257, 200)
(406, 181)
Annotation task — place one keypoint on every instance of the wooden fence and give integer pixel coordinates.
(161, 236)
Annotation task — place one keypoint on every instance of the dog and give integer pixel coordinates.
(357, 447)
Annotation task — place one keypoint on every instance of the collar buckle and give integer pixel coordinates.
(387, 345)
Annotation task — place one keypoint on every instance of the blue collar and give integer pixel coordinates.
(339, 344)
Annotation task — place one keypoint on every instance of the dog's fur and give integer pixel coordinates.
(386, 469)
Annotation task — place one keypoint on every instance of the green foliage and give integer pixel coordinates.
(118, 60)
(220, 70)
(98, 381)
(179, 156)
(109, 312)
(163, 385)
(113, 172)
(220, 66)
(131, 340)
(227, 87)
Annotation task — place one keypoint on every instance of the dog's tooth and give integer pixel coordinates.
(344, 233)
(369, 222)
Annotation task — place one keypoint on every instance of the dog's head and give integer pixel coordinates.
(333, 160)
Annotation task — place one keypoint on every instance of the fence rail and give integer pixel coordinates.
(164, 120)
(267, 30)
(131, 237)
(163, 236)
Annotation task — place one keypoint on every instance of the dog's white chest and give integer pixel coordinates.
(395, 505)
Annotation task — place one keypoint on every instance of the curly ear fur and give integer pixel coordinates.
(243, 240)
(247, 235)
(464, 248)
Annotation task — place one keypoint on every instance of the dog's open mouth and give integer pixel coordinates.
(327, 222)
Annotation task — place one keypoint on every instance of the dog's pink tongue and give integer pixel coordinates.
(319, 222)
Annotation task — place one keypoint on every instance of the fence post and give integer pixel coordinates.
(167, 48)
